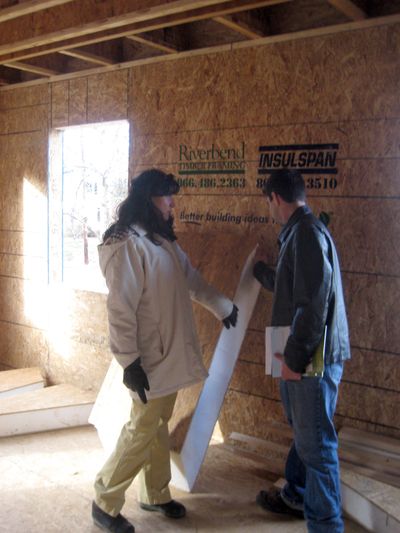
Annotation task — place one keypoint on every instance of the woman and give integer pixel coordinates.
(152, 335)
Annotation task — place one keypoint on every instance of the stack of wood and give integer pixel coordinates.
(373, 455)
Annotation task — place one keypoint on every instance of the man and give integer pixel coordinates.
(308, 296)
(153, 336)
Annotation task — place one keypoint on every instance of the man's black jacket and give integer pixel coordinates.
(308, 291)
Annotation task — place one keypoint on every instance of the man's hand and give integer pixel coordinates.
(287, 374)
(135, 379)
(232, 318)
(261, 251)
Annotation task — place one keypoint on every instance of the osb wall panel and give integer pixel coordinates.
(23, 176)
(98, 98)
(78, 101)
(20, 120)
(356, 401)
(23, 266)
(59, 104)
(310, 92)
(373, 325)
(246, 215)
(107, 96)
(373, 309)
(25, 97)
(335, 89)
(69, 346)
(77, 337)
(22, 346)
(386, 374)
(69, 101)
(310, 81)
(358, 140)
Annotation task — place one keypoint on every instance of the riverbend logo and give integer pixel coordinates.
(308, 158)
(211, 160)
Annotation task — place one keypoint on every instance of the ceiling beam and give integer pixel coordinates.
(163, 46)
(31, 68)
(374, 22)
(80, 25)
(87, 56)
(349, 8)
(57, 41)
(240, 27)
(26, 8)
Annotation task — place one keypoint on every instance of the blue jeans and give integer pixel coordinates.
(312, 466)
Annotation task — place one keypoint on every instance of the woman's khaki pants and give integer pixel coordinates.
(143, 446)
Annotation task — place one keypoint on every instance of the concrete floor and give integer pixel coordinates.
(46, 486)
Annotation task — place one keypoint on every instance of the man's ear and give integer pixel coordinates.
(276, 198)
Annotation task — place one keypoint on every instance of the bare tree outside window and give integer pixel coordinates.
(92, 182)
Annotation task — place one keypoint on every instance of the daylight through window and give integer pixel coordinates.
(89, 178)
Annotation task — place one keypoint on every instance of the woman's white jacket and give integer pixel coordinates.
(150, 311)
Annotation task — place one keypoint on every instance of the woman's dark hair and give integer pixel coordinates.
(138, 208)
(289, 184)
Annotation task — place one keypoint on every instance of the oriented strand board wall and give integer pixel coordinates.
(339, 89)
(63, 331)
(23, 149)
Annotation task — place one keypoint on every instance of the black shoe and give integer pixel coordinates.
(114, 524)
(171, 509)
(272, 501)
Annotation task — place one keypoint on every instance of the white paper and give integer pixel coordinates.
(275, 342)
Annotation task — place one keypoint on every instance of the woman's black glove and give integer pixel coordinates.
(231, 319)
(135, 379)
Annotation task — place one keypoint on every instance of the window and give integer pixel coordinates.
(88, 179)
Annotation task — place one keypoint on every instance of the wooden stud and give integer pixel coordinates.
(239, 27)
(349, 8)
(153, 43)
(286, 37)
(31, 68)
(131, 23)
(326, 30)
(87, 56)
(26, 8)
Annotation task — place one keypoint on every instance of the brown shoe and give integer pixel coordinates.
(272, 501)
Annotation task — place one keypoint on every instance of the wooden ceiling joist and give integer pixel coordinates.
(240, 27)
(26, 8)
(34, 28)
(140, 21)
(87, 56)
(349, 8)
(31, 68)
(153, 43)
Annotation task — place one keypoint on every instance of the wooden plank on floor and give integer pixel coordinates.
(368, 440)
(372, 504)
(20, 379)
(48, 398)
(55, 407)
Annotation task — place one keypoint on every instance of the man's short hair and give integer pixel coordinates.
(289, 184)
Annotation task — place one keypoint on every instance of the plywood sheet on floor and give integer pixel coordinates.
(55, 473)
